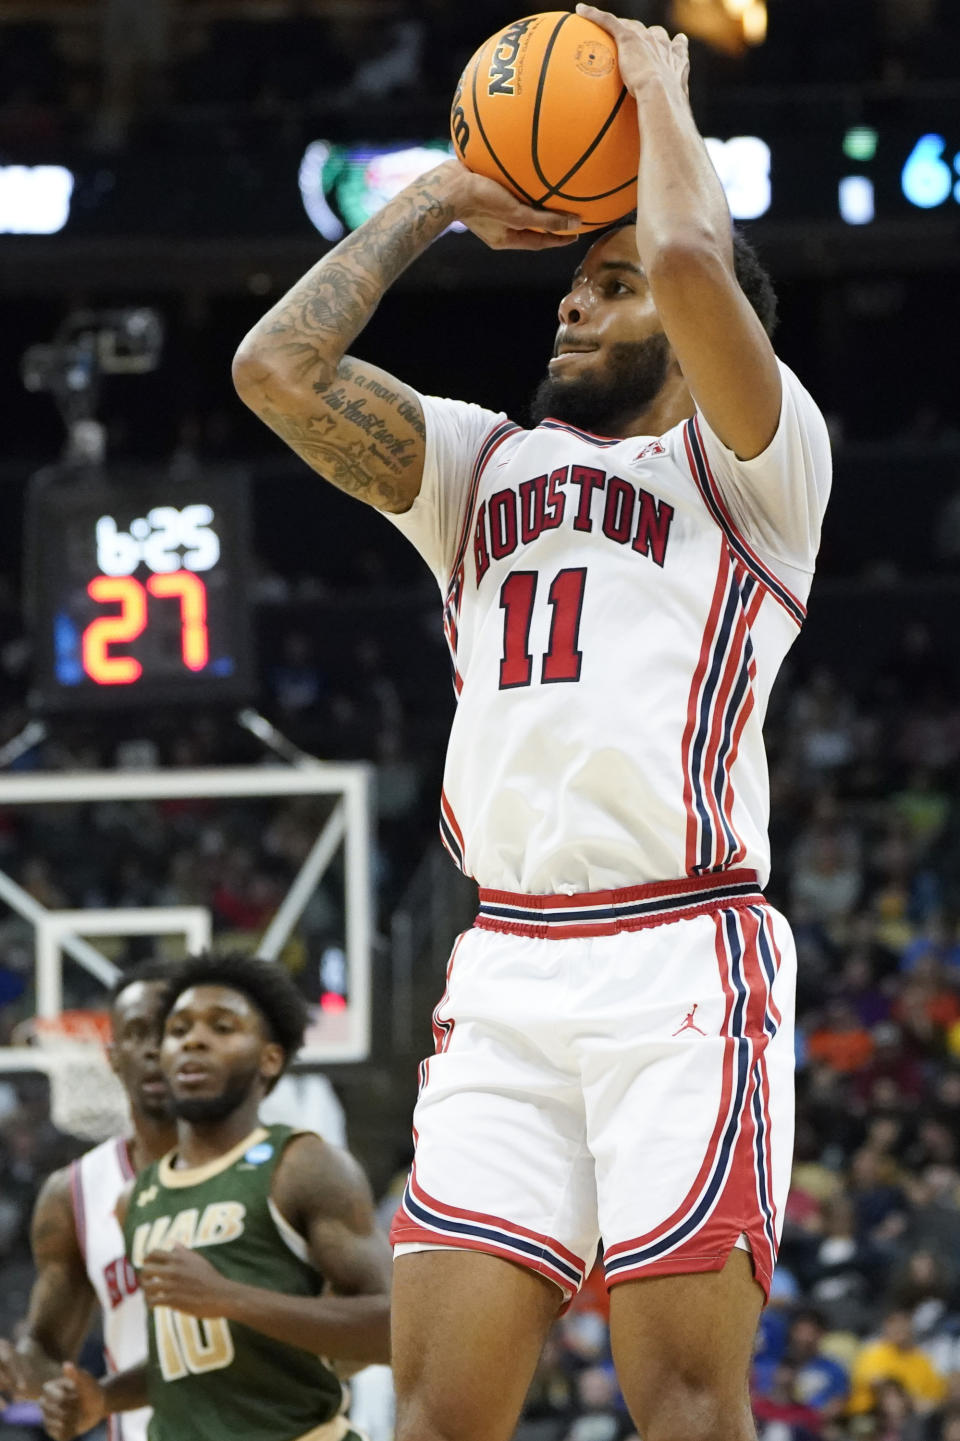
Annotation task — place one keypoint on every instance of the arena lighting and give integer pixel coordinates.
(743, 165)
(34, 199)
(860, 142)
(855, 194)
(730, 26)
(343, 185)
(927, 179)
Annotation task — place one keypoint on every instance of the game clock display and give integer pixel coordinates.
(138, 592)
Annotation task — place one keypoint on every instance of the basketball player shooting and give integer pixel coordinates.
(621, 582)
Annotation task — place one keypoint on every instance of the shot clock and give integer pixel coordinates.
(138, 591)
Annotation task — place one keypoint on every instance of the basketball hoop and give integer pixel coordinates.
(86, 1099)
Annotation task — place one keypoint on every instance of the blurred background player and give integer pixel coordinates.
(294, 1268)
(77, 1243)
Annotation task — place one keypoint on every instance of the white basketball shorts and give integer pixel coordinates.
(617, 1065)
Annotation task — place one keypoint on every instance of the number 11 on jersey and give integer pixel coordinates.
(562, 659)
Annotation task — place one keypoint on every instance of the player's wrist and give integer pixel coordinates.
(453, 182)
(236, 1301)
(659, 91)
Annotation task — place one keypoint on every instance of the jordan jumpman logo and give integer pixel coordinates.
(688, 1022)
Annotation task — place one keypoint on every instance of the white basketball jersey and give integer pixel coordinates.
(97, 1180)
(616, 612)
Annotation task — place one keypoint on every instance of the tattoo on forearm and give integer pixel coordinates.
(348, 371)
(355, 412)
(345, 465)
(363, 434)
(327, 309)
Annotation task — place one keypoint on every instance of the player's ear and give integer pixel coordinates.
(272, 1058)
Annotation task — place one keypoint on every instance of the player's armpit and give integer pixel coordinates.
(324, 1194)
(364, 432)
(62, 1299)
(326, 1197)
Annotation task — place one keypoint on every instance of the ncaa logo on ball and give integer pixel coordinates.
(594, 59)
(503, 65)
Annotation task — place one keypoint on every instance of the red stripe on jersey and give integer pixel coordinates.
(746, 708)
(491, 443)
(745, 711)
(447, 809)
(732, 666)
(714, 496)
(756, 601)
(693, 711)
(443, 1029)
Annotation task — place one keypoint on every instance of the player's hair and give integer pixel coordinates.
(267, 985)
(151, 970)
(753, 277)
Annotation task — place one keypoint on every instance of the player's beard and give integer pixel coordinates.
(156, 1108)
(609, 402)
(208, 1110)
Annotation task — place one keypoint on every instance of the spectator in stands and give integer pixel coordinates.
(892, 1076)
(894, 1356)
(823, 723)
(844, 1270)
(925, 1010)
(826, 878)
(839, 1040)
(818, 1380)
(780, 1412)
(894, 1415)
(879, 1201)
(858, 988)
(937, 942)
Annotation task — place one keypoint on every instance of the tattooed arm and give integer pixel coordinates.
(355, 424)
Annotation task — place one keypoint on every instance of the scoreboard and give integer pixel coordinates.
(138, 591)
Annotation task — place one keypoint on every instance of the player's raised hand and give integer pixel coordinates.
(501, 220)
(644, 52)
(72, 1403)
(183, 1280)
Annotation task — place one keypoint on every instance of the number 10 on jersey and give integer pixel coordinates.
(562, 658)
(187, 1346)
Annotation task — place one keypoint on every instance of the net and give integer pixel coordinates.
(86, 1099)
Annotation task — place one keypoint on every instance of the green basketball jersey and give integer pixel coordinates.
(215, 1380)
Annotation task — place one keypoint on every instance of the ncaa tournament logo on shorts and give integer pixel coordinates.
(259, 1153)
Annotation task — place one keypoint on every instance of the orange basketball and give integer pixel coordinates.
(542, 109)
